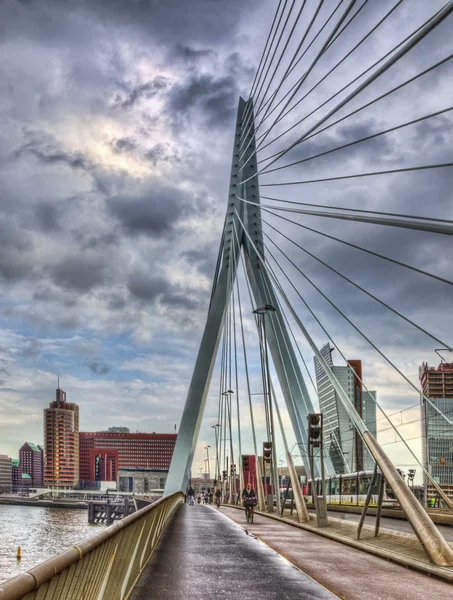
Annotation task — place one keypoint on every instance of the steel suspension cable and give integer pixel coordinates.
(346, 25)
(358, 210)
(292, 66)
(420, 392)
(264, 282)
(430, 335)
(389, 222)
(411, 43)
(248, 123)
(258, 78)
(257, 94)
(345, 57)
(314, 348)
(288, 39)
(312, 65)
(364, 139)
(263, 54)
(367, 251)
(370, 103)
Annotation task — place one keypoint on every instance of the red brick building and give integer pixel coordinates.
(103, 453)
(31, 458)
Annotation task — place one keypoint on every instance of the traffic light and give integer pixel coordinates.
(314, 429)
(245, 462)
(232, 469)
(267, 451)
(411, 474)
(224, 473)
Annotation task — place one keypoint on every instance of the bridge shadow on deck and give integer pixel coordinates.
(202, 552)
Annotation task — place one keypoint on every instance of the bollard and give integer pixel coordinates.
(19, 553)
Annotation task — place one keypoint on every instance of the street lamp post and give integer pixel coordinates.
(216, 435)
(230, 474)
(261, 312)
(209, 464)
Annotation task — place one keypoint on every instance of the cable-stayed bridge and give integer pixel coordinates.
(343, 147)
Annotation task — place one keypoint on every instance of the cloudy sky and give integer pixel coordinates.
(116, 128)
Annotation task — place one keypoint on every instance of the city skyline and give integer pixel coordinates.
(113, 185)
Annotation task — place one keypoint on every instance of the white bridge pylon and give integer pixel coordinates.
(234, 240)
(242, 233)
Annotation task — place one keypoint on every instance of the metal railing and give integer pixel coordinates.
(105, 566)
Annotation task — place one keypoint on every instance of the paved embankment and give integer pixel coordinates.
(203, 554)
(351, 573)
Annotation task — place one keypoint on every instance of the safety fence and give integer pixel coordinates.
(102, 567)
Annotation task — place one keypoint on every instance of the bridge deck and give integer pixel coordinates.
(203, 552)
(350, 573)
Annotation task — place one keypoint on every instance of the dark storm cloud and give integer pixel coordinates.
(173, 20)
(187, 56)
(47, 151)
(98, 367)
(214, 98)
(145, 287)
(48, 216)
(204, 259)
(123, 146)
(145, 90)
(80, 273)
(161, 153)
(179, 301)
(16, 252)
(153, 213)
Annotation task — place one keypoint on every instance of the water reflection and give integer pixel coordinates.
(41, 532)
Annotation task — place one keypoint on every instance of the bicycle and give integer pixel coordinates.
(217, 501)
(249, 504)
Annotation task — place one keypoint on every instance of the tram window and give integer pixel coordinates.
(319, 487)
(346, 486)
(309, 488)
(389, 492)
(334, 486)
(364, 484)
(349, 486)
(327, 487)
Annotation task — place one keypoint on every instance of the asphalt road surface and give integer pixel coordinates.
(204, 554)
(387, 523)
(351, 574)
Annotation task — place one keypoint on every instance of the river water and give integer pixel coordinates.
(40, 532)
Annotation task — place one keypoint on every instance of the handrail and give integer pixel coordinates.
(104, 566)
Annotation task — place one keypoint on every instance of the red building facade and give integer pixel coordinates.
(102, 453)
(31, 458)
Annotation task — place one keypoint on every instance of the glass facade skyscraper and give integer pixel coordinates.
(343, 443)
(437, 429)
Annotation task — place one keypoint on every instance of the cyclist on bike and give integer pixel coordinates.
(218, 497)
(190, 495)
(249, 501)
(248, 493)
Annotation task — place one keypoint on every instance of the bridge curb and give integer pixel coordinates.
(445, 573)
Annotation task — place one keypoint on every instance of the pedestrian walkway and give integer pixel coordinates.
(349, 572)
(203, 553)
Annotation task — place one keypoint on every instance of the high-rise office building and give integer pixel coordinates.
(6, 477)
(31, 459)
(343, 443)
(437, 427)
(61, 442)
